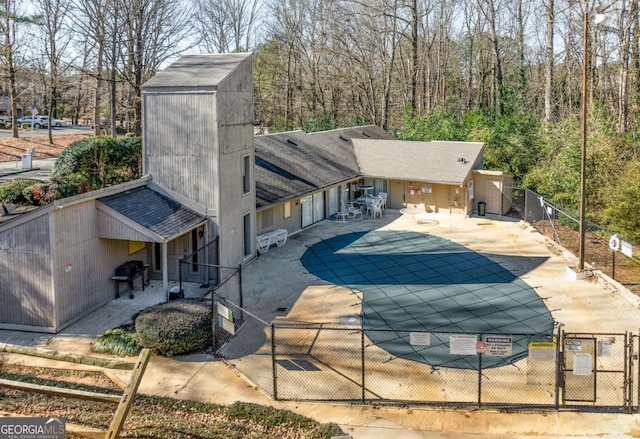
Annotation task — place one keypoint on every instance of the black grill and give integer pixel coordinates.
(130, 268)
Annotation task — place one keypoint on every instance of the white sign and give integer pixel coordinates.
(573, 345)
(462, 344)
(226, 325)
(604, 349)
(225, 312)
(582, 364)
(498, 345)
(420, 338)
(626, 249)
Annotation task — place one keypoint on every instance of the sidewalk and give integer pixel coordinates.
(580, 306)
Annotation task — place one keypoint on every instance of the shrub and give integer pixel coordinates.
(121, 341)
(12, 191)
(39, 194)
(175, 328)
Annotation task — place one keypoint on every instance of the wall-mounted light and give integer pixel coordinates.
(200, 234)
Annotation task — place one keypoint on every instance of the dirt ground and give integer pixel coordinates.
(10, 147)
(598, 255)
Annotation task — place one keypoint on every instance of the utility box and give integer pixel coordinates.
(26, 161)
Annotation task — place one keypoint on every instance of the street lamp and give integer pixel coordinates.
(598, 18)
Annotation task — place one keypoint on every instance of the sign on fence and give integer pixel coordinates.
(462, 344)
(498, 346)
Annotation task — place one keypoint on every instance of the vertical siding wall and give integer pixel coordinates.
(25, 276)
(275, 216)
(181, 144)
(87, 284)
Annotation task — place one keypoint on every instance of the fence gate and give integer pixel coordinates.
(597, 371)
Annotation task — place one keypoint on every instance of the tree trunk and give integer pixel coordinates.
(549, 107)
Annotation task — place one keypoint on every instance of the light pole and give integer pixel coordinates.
(583, 159)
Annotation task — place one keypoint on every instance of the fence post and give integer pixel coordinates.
(559, 362)
(273, 362)
(628, 380)
(479, 377)
(363, 373)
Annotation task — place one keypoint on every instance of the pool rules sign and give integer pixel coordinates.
(498, 345)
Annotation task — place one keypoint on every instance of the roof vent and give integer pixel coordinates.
(364, 133)
(292, 142)
(462, 160)
(343, 138)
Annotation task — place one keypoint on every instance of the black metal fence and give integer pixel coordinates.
(317, 362)
(562, 225)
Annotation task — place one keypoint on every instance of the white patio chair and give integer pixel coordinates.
(383, 199)
(355, 213)
(376, 209)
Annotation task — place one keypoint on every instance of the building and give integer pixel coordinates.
(210, 184)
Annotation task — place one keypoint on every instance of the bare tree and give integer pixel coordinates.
(227, 25)
(153, 31)
(549, 61)
(91, 25)
(489, 10)
(57, 39)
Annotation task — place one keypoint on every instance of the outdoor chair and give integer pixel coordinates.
(383, 199)
(355, 213)
(376, 209)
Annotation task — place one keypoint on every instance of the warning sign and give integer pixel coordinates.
(498, 345)
(480, 347)
(542, 351)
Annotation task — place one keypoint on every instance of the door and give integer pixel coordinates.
(396, 195)
(307, 211)
(443, 197)
(178, 248)
(318, 206)
(493, 192)
(333, 201)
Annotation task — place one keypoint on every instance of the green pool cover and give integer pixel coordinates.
(413, 282)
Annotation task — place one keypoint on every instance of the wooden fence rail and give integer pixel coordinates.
(124, 400)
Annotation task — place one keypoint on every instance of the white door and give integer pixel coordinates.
(307, 211)
(318, 206)
(493, 193)
(333, 201)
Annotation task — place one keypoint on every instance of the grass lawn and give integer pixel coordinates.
(152, 416)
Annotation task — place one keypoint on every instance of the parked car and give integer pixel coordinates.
(29, 120)
(57, 123)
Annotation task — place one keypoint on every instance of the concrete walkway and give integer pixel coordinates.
(278, 279)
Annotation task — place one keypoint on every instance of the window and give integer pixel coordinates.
(287, 209)
(247, 234)
(246, 174)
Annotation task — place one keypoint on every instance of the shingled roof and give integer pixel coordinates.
(294, 164)
(437, 162)
(156, 212)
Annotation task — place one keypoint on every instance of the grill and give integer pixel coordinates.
(126, 273)
(130, 269)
